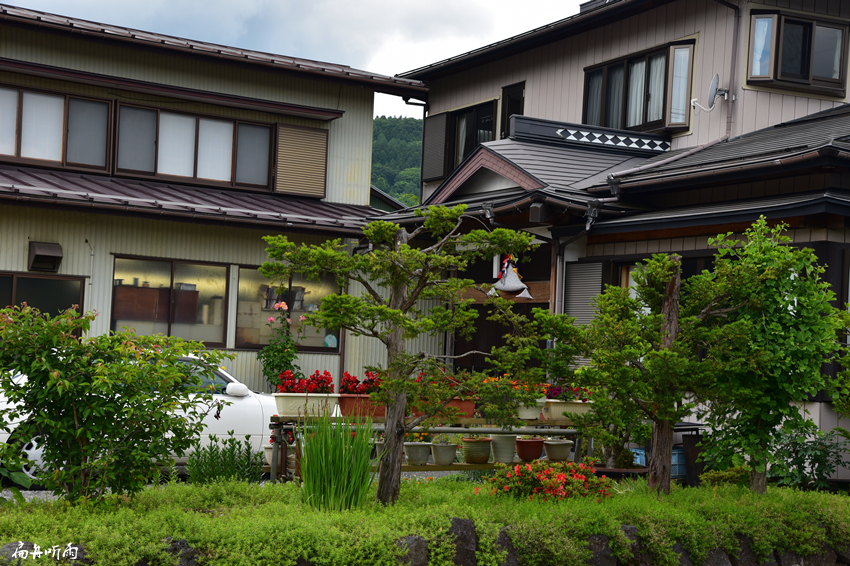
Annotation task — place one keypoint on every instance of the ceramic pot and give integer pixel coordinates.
(558, 450)
(532, 413)
(529, 449)
(444, 454)
(504, 447)
(417, 453)
(304, 404)
(476, 450)
(360, 406)
(555, 408)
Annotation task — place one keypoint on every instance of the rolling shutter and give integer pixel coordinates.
(434, 147)
(583, 282)
(302, 161)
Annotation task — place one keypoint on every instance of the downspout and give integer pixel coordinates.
(614, 178)
(91, 274)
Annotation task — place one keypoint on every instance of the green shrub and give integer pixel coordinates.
(335, 463)
(810, 457)
(232, 459)
(549, 480)
(737, 475)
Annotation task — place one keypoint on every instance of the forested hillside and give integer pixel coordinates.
(396, 151)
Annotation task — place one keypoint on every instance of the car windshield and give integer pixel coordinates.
(217, 381)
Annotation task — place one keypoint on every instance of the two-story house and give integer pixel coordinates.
(139, 172)
(644, 126)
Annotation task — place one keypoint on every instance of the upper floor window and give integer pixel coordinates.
(797, 53)
(646, 92)
(61, 129)
(450, 137)
(181, 145)
(472, 127)
(513, 103)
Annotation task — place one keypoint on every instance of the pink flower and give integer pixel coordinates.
(282, 306)
(271, 319)
(288, 321)
(276, 306)
(303, 318)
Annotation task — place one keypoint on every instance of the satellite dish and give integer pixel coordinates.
(714, 92)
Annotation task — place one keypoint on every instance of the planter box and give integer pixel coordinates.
(360, 406)
(466, 408)
(554, 408)
(304, 404)
(532, 413)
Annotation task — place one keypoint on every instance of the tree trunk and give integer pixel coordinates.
(670, 305)
(758, 481)
(389, 481)
(661, 460)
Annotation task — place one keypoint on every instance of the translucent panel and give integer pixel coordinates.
(637, 92)
(141, 295)
(593, 110)
(87, 123)
(252, 154)
(48, 295)
(254, 305)
(306, 296)
(679, 88)
(176, 152)
(8, 120)
(657, 74)
(137, 139)
(5, 291)
(199, 293)
(41, 128)
(215, 149)
(795, 49)
(762, 44)
(826, 61)
(614, 98)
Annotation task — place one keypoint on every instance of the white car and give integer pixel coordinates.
(248, 413)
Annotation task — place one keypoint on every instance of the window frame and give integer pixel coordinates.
(664, 123)
(508, 91)
(454, 159)
(810, 82)
(36, 275)
(63, 162)
(305, 349)
(194, 179)
(173, 261)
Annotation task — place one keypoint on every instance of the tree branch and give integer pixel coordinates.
(451, 234)
(427, 356)
(369, 289)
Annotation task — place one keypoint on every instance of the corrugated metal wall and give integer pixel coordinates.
(350, 137)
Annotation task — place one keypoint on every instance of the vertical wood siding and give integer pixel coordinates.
(554, 73)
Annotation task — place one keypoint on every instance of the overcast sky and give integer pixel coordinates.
(382, 36)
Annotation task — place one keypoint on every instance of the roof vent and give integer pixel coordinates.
(44, 257)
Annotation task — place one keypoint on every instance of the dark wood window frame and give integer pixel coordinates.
(452, 137)
(507, 93)
(661, 125)
(173, 262)
(31, 275)
(63, 163)
(808, 82)
(305, 349)
(194, 179)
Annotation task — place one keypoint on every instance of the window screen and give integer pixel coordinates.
(42, 124)
(176, 152)
(215, 149)
(252, 154)
(87, 124)
(137, 139)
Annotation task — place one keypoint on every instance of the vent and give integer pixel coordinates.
(302, 161)
(44, 257)
(434, 147)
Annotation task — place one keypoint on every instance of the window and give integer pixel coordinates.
(450, 137)
(159, 142)
(797, 53)
(49, 294)
(173, 298)
(472, 127)
(64, 130)
(255, 304)
(646, 92)
(513, 102)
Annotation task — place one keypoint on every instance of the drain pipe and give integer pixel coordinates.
(91, 272)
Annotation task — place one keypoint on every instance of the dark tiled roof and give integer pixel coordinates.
(381, 83)
(180, 202)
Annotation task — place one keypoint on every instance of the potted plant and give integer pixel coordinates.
(476, 450)
(504, 447)
(558, 450)
(443, 450)
(354, 397)
(561, 399)
(281, 354)
(305, 397)
(529, 448)
(417, 448)
(504, 394)
(460, 406)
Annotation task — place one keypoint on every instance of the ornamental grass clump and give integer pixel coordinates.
(335, 466)
(232, 459)
(545, 480)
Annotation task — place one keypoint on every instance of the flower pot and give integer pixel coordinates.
(476, 450)
(444, 454)
(504, 447)
(304, 404)
(417, 453)
(360, 406)
(529, 449)
(466, 408)
(532, 413)
(555, 408)
(558, 450)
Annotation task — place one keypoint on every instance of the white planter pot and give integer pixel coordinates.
(504, 447)
(558, 450)
(305, 404)
(417, 453)
(532, 413)
(555, 409)
(444, 454)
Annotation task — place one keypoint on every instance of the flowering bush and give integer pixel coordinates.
(550, 480)
(281, 354)
(567, 393)
(316, 383)
(352, 386)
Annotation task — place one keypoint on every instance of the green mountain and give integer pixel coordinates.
(396, 154)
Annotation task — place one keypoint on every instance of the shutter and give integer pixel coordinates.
(434, 147)
(583, 282)
(302, 161)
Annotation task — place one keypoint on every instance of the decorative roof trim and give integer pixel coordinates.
(590, 135)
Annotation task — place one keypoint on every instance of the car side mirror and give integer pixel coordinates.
(237, 389)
